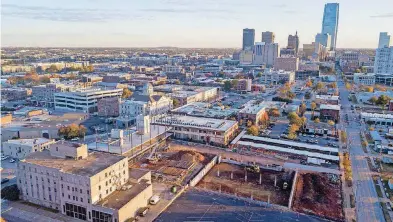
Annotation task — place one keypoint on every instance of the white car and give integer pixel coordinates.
(12, 160)
(4, 157)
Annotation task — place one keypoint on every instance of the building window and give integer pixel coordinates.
(106, 191)
(88, 192)
(80, 190)
(101, 217)
(62, 194)
(106, 174)
(69, 197)
(75, 211)
(99, 187)
(73, 197)
(72, 189)
(81, 199)
(68, 187)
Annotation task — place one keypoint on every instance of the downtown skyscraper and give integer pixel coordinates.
(248, 39)
(330, 22)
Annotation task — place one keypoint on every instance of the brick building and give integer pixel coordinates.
(108, 107)
(329, 112)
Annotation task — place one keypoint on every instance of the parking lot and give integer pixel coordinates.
(8, 171)
(196, 205)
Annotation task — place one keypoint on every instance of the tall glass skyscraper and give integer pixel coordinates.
(248, 39)
(330, 22)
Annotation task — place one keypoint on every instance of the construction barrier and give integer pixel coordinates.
(203, 172)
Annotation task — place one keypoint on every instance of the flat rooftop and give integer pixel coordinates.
(119, 198)
(196, 122)
(90, 166)
(205, 110)
(332, 107)
(30, 142)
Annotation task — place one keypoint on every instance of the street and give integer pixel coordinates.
(367, 203)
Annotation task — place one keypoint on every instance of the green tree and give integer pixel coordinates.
(294, 119)
(253, 130)
(227, 85)
(234, 83)
(259, 74)
(177, 82)
(126, 93)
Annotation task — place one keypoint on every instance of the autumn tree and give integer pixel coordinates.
(176, 103)
(126, 93)
(316, 120)
(309, 83)
(302, 109)
(319, 86)
(369, 89)
(72, 131)
(331, 122)
(253, 130)
(313, 107)
(380, 88)
(383, 100)
(52, 68)
(274, 112)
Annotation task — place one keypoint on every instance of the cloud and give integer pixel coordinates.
(185, 10)
(64, 14)
(387, 15)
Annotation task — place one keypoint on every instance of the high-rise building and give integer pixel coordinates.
(384, 61)
(265, 53)
(330, 22)
(248, 38)
(384, 40)
(268, 37)
(293, 42)
(323, 39)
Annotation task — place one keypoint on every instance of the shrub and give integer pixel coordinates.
(10, 193)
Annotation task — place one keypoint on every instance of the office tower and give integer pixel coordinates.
(330, 22)
(265, 53)
(384, 61)
(323, 39)
(384, 40)
(293, 42)
(268, 37)
(248, 39)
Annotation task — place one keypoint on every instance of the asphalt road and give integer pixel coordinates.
(368, 208)
(195, 205)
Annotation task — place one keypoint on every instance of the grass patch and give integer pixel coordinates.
(39, 207)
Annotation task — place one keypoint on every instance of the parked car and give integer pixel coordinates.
(12, 160)
(143, 211)
(154, 200)
(4, 180)
(4, 157)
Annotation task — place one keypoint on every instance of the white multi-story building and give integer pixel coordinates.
(208, 130)
(384, 61)
(274, 77)
(364, 78)
(265, 53)
(95, 186)
(20, 148)
(83, 100)
(172, 69)
(384, 40)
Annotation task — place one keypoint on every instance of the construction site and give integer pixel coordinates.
(320, 195)
(174, 167)
(250, 181)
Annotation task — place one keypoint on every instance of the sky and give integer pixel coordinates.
(185, 23)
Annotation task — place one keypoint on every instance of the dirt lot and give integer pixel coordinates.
(174, 167)
(317, 194)
(238, 186)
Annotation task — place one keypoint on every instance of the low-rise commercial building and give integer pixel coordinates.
(20, 148)
(253, 111)
(276, 77)
(364, 78)
(329, 112)
(215, 131)
(286, 63)
(88, 186)
(6, 119)
(306, 74)
(12, 94)
(84, 100)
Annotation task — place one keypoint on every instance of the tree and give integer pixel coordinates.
(383, 100)
(227, 85)
(10, 193)
(176, 103)
(82, 131)
(44, 79)
(358, 71)
(294, 119)
(309, 83)
(72, 131)
(234, 83)
(343, 136)
(274, 112)
(313, 107)
(253, 130)
(319, 86)
(52, 68)
(373, 100)
(316, 120)
(291, 95)
(369, 89)
(126, 93)
(331, 122)
(380, 88)
(302, 109)
(177, 82)
(348, 86)
(259, 74)
(332, 85)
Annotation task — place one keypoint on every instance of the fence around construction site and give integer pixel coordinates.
(291, 196)
(203, 172)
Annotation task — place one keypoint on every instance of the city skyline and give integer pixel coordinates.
(207, 24)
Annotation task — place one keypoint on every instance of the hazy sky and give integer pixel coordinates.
(185, 23)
